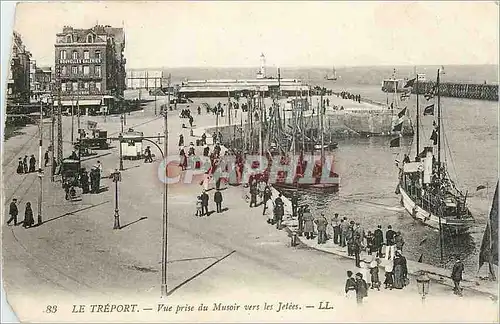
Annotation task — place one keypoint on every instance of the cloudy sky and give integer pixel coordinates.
(233, 34)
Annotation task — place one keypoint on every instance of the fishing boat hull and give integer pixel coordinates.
(454, 226)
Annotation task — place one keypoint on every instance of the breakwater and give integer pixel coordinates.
(460, 90)
(337, 124)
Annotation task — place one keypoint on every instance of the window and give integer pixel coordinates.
(69, 39)
(90, 38)
(62, 55)
(75, 55)
(64, 70)
(63, 87)
(85, 85)
(97, 70)
(80, 69)
(98, 54)
(86, 55)
(75, 86)
(86, 70)
(74, 70)
(98, 86)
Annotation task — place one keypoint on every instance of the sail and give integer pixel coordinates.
(489, 246)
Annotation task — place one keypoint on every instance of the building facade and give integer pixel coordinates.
(90, 67)
(43, 80)
(18, 81)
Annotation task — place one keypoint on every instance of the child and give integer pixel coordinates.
(374, 275)
(350, 284)
(198, 206)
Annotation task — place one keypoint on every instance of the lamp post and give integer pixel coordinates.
(423, 284)
(40, 171)
(121, 139)
(117, 177)
(164, 254)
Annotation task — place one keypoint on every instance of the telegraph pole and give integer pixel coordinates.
(52, 135)
(59, 118)
(165, 201)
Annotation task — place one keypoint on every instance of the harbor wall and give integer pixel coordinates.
(337, 124)
(461, 90)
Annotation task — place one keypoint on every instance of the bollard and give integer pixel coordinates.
(293, 238)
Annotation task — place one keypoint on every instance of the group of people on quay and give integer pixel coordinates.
(26, 165)
(348, 95)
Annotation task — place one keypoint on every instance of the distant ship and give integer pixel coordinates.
(333, 77)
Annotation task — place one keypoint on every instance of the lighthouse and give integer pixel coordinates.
(262, 72)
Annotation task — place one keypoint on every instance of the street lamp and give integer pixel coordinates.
(117, 177)
(423, 284)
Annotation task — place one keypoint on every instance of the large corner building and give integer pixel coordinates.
(90, 68)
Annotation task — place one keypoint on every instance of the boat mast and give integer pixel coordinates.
(439, 162)
(439, 124)
(322, 133)
(418, 114)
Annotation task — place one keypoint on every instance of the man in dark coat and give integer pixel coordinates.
(84, 180)
(389, 236)
(378, 240)
(93, 181)
(361, 288)
(218, 201)
(253, 194)
(295, 203)
(203, 139)
(46, 157)
(32, 163)
(456, 276)
(181, 140)
(267, 196)
(13, 212)
(356, 249)
(25, 164)
(204, 203)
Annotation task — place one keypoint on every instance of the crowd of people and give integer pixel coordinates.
(348, 95)
(26, 165)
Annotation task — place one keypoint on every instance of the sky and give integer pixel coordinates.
(312, 33)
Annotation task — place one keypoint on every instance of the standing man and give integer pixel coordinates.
(389, 236)
(25, 164)
(279, 211)
(204, 203)
(361, 288)
(295, 203)
(13, 212)
(321, 224)
(46, 158)
(335, 223)
(253, 195)
(456, 276)
(218, 201)
(300, 220)
(378, 240)
(343, 231)
(267, 196)
(356, 249)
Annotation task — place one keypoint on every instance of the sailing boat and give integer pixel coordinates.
(333, 77)
(316, 182)
(489, 245)
(427, 191)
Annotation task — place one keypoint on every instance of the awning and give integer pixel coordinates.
(413, 167)
(81, 102)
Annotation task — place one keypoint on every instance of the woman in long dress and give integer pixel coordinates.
(400, 271)
(28, 216)
(389, 279)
